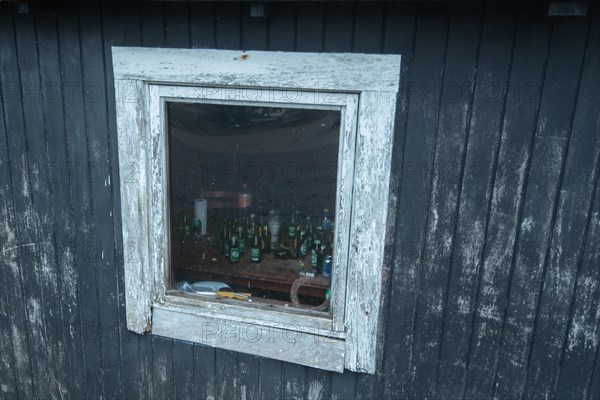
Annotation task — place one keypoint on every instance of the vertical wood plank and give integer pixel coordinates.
(270, 379)
(582, 343)
(74, 247)
(131, 25)
(146, 382)
(594, 383)
(519, 119)
(318, 384)
(101, 179)
(339, 19)
(14, 372)
(248, 371)
(177, 27)
(369, 27)
(59, 176)
(24, 252)
(398, 38)
(183, 370)
(294, 379)
(309, 26)
(343, 386)
(228, 33)
(578, 180)
(34, 102)
(204, 372)
(254, 30)
(162, 367)
(202, 25)
(449, 155)
(427, 64)
(540, 204)
(484, 132)
(85, 244)
(282, 26)
(152, 24)
(226, 373)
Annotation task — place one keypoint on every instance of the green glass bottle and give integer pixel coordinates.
(226, 242)
(292, 226)
(255, 253)
(234, 249)
(241, 239)
(267, 239)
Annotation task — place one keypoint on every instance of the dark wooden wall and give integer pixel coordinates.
(494, 251)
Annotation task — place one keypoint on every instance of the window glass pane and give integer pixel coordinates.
(252, 193)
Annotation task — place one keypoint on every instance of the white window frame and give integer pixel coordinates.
(364, 88)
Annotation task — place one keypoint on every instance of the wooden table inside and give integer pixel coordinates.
(270, 274)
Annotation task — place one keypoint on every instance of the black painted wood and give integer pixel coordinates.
(183, 370)
(12, 296)
(309, 26)
(318, 384)
(428, 60)
(162, 368)
(58, 176)
(518, 125)
(339, 26)
(456, 97)
(541, 202)
(343, 386)
(497, 127)
(270, 379)
(294, 381)
(254, 30)
(577, 350)
(202, 25)
(101, 181)
(578, 180)
(484, 130)
(228, 29)
(40, 193)
(281, 26)
(248, 372)
(226, 367)
(204, 372)
(74, 173)
(29, 334)
(398, 38)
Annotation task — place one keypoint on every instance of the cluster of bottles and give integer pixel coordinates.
(239, 235)
(300, 239)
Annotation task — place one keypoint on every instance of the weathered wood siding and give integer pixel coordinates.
(494, 241)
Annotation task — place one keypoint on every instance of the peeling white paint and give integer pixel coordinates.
(527, 224)
(315, 390)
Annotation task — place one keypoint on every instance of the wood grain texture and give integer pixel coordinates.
(427, 65)
(578, 180)
(369, 215)
(489, 99)
(132, 167)
(50, 46)
(14, 371)
(539, 209)
(518, 125)
(452, 135)
(276, 343)
(226, 68)
(26, 250)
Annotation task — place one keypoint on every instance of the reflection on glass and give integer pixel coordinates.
(252, 201)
